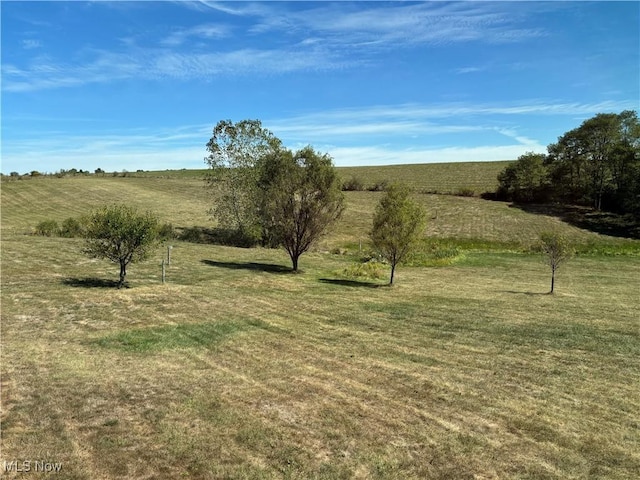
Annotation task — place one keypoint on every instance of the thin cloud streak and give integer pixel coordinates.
(109, 67)
(356, 156)
(424, 23)
(352, 136)
(204, 31)
(328, 37)
(461, 110)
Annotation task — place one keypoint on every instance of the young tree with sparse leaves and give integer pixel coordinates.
(556, 250)
(398, 224)
(120, 234)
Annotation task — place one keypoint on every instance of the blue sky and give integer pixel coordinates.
(140, 85)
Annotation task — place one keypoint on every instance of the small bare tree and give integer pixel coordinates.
(556, 250)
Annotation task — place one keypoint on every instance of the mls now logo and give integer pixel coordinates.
(31, 466)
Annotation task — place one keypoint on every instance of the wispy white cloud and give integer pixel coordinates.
(164, 63)
(354, 156)
(355, 136)
(205, 31)
(231, 8)
(30, 44)
(319, 37)
(464, 70)
(400, 23)
(462, 110)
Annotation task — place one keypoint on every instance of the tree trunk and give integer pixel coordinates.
(294, 260)
(553, 279)
(123, 274)
(393, 271)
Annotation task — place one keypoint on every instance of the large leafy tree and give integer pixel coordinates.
(234, 151)
(301, 198)
(398, 224)
(120, 234)
(598, 162)
(524, 180)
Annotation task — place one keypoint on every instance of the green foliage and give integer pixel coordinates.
(433, 254)
(71, 228)
(379, 186)
(120, 234)
(370, 269)
(596, 164)
(354, 184)
(47, 228)
(234, 151)
(166, 232)
(203, 335)
(301, 198)
(398, 223)
(524, 180)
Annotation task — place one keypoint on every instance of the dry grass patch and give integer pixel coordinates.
(238, 369)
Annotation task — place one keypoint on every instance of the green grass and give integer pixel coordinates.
(236, 368)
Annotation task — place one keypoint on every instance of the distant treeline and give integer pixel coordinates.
(72, 172)
(596, 164)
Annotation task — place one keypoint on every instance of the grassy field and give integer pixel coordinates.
(236, 368)
(443, 178)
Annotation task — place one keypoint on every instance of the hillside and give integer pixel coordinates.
(236, 368)
(427, 177)
(479, 177)
(180, 198)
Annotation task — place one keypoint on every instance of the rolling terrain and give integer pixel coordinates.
(236, 368)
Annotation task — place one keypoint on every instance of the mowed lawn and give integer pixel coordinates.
(236, 368)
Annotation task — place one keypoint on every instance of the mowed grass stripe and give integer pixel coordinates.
(480, 177)
(237, 369)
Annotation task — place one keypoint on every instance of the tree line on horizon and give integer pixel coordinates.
(596, 164)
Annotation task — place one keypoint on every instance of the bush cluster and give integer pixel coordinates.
(379, 186)
(47, 228)
(354, 184)
(75, 228)
(372, 269)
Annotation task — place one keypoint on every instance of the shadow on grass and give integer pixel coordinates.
(352, 283)
(215, 236)
(91, 283)
(604, 223)
(531, 294)
(261, 267)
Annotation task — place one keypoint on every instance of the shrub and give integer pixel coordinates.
(47, 228)
(71, 227)
(465, 192)
(380, 186)
(434, 255)
(166, 232)
(373, 269)
(354, 184)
